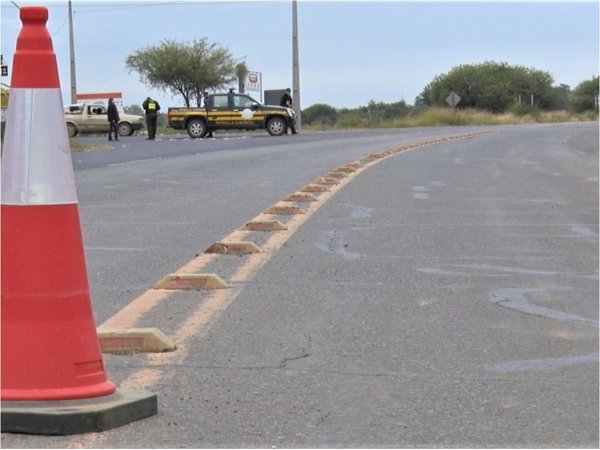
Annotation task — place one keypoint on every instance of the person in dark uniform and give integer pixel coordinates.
(286, 100)
(113, 119)
(151, 107)
(205, 99)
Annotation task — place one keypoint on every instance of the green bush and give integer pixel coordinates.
(350, 119)
(585, 96)
(320, 114)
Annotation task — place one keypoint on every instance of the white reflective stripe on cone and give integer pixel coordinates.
(36, 156)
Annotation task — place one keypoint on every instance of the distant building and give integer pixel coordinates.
(101, 98)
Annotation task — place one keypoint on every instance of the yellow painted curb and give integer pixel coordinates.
(300, 198)
(233, 248)
(354, 165)
(285, 210)
(344, 169)
(314, 188)
(134, 340)
(191, 282)
(324, 181)
(337, 175)
(264, 225)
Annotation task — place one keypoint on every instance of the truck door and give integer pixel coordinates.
(97, 119)
(247, 113)
(220, 113)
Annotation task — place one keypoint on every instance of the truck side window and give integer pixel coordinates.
(241, 101)
(220, 101)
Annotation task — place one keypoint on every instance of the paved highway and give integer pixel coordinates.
(443, 295)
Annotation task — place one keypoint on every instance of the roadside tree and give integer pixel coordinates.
(241, 70)
(184, 69)
(585, 96)
(320, 113)
(490, 86)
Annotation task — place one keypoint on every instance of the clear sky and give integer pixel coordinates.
(351, 52)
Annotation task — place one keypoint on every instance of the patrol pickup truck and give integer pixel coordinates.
(231, 111)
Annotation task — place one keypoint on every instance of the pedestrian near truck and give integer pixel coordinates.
(205, 99)
(151, 107)
(113, 119)
(287, 101)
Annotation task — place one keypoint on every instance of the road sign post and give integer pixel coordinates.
(453, 99)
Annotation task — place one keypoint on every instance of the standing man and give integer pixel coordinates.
(113, 119)
(286, 101)
(205, 98)
(151, 107)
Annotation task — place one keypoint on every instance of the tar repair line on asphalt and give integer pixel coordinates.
(118, 335)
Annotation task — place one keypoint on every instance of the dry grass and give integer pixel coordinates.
(439, 117)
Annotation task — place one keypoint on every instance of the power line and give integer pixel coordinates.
(61, 26)
(107, 6)
(114, 6)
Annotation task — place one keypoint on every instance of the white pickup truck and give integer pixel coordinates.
(89, 118)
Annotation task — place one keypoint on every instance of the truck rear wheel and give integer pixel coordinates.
(196, 128)
(276, 126)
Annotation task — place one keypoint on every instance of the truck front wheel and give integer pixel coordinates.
(196, 128)
(276, 126)
(125, 129)
(72, 130)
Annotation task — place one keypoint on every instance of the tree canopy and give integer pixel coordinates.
(184, 69)
(585, 95)
(241, 70)
(491, 86)
(320, 113)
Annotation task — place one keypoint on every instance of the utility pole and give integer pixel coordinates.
(72, 53)
(296, 65)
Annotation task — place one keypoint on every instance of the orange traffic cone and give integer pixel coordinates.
(53, 376)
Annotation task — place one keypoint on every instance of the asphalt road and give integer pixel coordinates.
(443, 296)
